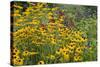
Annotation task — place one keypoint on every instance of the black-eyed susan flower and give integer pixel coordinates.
(66, 56)
(71, 45)
(58, 51)
(52, 57)
(25, 53)
(15, 56)
(15, 51)
(78, 58)
(17, 61)
(79, 50)
(64, 50)
(14, 61)
(53, 40)
(41, 62)
(20, 61)
(44, 29)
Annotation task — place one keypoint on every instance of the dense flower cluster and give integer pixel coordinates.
(41, 37)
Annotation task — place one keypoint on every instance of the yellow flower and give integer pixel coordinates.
(14, 61)
(78, 58)
(79, 50)
(50, 17)
(41, 62)
(71, 46)
(25, 53)
(64, 50)
(19, 20)
(29, 9)
(20, 62)
(17, 61)
(15, 56)
(78, 32)
(53, 40)
(61, 19)
(27, 13)
(52, 57)
(35, 21)
(50, 13)
(76, 40)
(15, 15)
(16, 11)
(66, 56)
(60, 25)
(15, 51)
(71, 51)
(84, 47)
(83, 39)
(42, 30)
(63, 33)
(58, 51)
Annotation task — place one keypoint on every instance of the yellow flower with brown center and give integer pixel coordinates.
(79, 50)
(20, 62)
(53, 40)
(25, 53)
(52, 57)
(63, 33)
(15, 56)
(64, 50)
(41, 62)
(15, 51)
(17, 61)
(71, 45)
(78, 58)
(14, 61)
(42, 29)
(58, 51)
(71, 51)
(66, 56)
(83, 39)
(79, 32)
